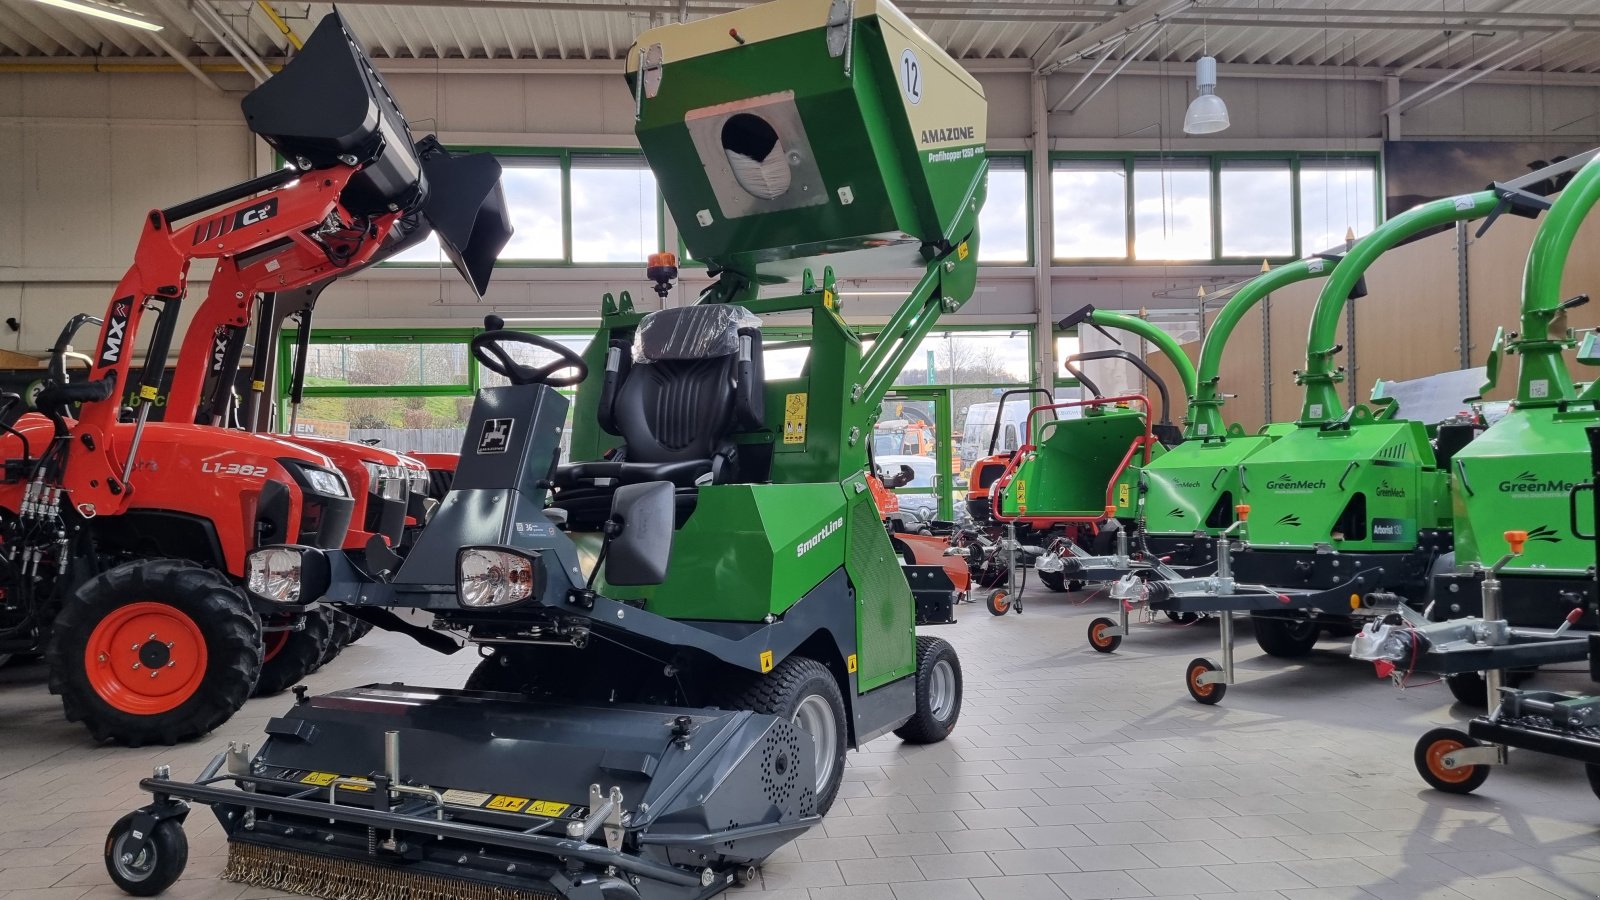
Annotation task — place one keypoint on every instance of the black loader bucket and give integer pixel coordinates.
(466, 208)
(387, 792)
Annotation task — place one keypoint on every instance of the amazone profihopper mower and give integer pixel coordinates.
(685, 628)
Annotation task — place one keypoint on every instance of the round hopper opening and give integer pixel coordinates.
(756, 155)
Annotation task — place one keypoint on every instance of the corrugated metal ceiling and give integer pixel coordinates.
(1534, 35)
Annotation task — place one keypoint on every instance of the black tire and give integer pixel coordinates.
(300, 655)
(1055, 581)
(1076, 585)
(1592, 771)
(1426, 757)
(338, 636)
(221, 619)
(1469, 689)
(157, 867)
(782, 692)
(1208, 694)
(1099, 640)
(1183, 618)
(359, 628)
(999, 602)
(987, 576)
(1286, 638)
(938, 693)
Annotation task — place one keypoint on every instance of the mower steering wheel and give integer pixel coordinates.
(488, 348)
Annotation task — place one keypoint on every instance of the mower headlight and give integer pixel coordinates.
(274, 574)
(489, 577)
(325, 482)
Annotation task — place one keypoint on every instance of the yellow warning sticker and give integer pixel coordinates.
(318, 778)
(146, 392)
(258, 385)
(363, 786)
(547, 808)
(850, 663)
(1122, 495)
(962, 251)
(507, 804)
(766, 661)
(827, 299)
(794, 418)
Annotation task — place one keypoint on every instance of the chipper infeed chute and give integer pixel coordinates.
(686, 627)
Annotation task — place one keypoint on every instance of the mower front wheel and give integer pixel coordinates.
(938, 693)
(154, 651)
(152, 869)
(290, 655)
(803, 691)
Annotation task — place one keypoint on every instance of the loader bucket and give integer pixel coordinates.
(327, 106)
(798, 128)
(466, 207)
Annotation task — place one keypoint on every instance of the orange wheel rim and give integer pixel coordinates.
(1098, 636)
(273, 643)
(1000, 601)
(1437, 751)
(1195, 684)
(145, 658)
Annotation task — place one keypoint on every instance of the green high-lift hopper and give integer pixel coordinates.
(686, 626)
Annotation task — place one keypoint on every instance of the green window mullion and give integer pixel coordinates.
(1294, 204)
(566, 207)
(1127, 186)
(1216, 208)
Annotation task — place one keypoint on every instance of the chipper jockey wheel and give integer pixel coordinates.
(999, 601)
(1209, 693)
(154, 652)
(1099, 639)
(1431, 753)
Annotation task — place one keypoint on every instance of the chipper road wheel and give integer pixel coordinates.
(999, 602)
(803, 691)
(290, 655)
(154, 868)
(1471, 689)
(938, 693)
(154, 652)
(1429, 758)
(1055, 581)
(1286, 638)
(1099, 640)
(1210, 693)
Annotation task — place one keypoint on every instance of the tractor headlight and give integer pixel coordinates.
(489, 577)
(324, 482)
(388, 482)
(275, 574)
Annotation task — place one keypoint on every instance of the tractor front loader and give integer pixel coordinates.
(124, 541)
(684, 629)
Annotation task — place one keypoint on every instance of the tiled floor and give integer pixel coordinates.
(1072, 775)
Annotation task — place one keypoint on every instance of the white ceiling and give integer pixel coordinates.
(1535, 35)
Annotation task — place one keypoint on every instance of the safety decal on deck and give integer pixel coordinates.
(322, 779)
(507, 803)
(548, 808)
(850, 663)
(794, 418)
(766, 661)
(466, 798)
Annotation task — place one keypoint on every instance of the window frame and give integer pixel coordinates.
(1215, 159)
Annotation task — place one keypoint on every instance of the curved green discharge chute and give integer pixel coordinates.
(1205, 404)
(1166, 343)
(1544, 380)
(1321, 375)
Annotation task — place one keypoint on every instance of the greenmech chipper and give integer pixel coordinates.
(685, 627)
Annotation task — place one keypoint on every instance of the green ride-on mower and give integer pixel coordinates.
(685, 628)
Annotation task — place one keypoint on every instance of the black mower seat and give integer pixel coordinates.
(677, 394)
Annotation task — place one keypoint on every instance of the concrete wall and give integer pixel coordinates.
(87, 154)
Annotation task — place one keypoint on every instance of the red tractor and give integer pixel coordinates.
(122, 540)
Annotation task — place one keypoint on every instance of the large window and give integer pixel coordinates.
(1003, 232)
(1209, 207)
(571, 207)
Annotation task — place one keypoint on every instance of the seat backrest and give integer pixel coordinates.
(694, 379)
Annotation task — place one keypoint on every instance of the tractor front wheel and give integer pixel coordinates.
(154, 651)
(292, 654)
(938, 693)
(803, 691)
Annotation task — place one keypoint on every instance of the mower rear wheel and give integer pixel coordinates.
(294, 654)
(1055, 581)
(154, 651)
(803, 691)
(1099, 640)
(1286, 638)
(938, 693)
(1429, 759)
(154, 868)
(999, 602)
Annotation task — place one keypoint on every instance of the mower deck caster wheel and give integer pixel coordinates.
(999, 602)
(1429, 758)
(1099, 640)
(153, 869)
(938, 690)
(1209, 693)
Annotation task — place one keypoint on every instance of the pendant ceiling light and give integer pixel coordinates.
(1207, 113)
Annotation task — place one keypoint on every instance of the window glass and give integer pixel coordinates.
(1089, 206)
(386, 365)
(614, 215)
(1003, 221)
(1172, 209)
(533, 197)
(529, 355)
(406, 424)
(969, 357)
(1257, 208)
(1336, 196)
